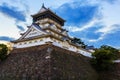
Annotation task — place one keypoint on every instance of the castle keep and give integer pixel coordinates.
(47, 28)
(45, 52)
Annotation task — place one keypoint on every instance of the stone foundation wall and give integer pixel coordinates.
(46, 62)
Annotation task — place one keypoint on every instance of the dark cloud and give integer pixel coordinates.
(12, 12)
(116, 25)
(6, 38)
(20, 28)
(76, 14)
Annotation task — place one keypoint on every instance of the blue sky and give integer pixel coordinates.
(96, 22)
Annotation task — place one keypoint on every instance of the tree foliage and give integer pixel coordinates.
(3, 52)
(103, 57)
(114, 51)
(79, 42)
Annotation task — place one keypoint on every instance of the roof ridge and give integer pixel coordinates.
(43, 9)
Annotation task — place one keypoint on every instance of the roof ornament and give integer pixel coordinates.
(43, 5)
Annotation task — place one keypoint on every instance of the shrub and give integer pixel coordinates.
(103, 57)
(3, 52)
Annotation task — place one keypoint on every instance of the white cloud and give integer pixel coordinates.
(95, 40)
(10, 23)
(89, 25)
(108, 29)
(105, 31)
(109, 19)
(110, 13)
(7, 27)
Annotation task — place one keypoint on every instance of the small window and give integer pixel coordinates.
(41, 39)
(20, 43)
(35, 41)
(30, 42)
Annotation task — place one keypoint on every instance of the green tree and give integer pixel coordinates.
(3, 52)
(112, 50)
(103, 57)
(79, 42)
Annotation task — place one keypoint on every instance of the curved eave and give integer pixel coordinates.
(48, 28)
(31, 38)
(36, 37)
(48, 11)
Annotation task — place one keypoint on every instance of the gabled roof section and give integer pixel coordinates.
(37, 29)
(36, 26)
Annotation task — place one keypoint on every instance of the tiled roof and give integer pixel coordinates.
(36, 26)
(43, 9)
